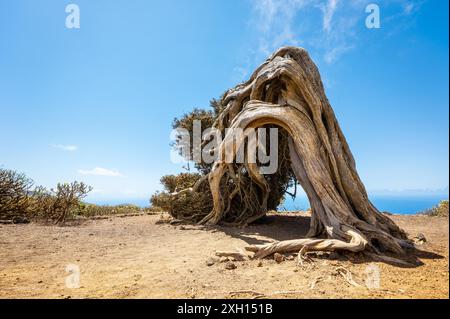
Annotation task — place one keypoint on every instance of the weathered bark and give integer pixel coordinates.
(286, 91)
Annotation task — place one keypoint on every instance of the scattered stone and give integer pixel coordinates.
(230, 266)
(260, 264)
(20, 220)
(420, 239)
(175, 222)
(290, 257)
(210, 262)
(278, 257)
(224, 259)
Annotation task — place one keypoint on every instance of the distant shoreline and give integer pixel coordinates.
(409, 204)
(392, 203)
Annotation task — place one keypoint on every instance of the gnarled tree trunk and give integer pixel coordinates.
(287, 92)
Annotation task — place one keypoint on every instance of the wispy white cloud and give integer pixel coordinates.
(408, 8)
(334, 53)
(68, 148)
(309, 23)
(274, 19)
(100, 171)
(328, 29)
(328, 12)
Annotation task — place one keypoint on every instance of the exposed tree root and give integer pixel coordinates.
(259, 295)
(347, 275)
(236, 255)
(357, 243)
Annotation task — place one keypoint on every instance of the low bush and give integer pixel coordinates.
(187, 206)
(439, 210)
(21, 200)
(15, 191)
(91, 210)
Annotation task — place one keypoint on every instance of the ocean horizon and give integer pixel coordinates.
(392, 203)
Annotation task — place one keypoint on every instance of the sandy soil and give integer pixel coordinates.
(136, 257)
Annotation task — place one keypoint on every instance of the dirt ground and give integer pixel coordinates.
(137, 257)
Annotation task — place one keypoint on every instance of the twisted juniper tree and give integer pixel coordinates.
(286, 92)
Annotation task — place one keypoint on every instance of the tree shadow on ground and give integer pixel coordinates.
(270, 228)
(286, 227)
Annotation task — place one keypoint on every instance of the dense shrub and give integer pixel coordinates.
(440, 210)
(19, 199)
(15, 191)
(66, 199)
(206, 118)
(91, 210)
(186, 206)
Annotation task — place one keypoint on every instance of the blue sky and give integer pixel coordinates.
(96, 103)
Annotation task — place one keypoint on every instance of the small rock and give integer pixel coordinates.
(420, 239)
(230, 266)
(278, 257)
(260, 264)
(209, 262)
(290, 257)
(224, 259)
(20, 220)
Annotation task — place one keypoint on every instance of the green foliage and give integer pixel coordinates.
(14, 194)
(440, 210)
(217, 107)
(194, 206)
(207, 118)
(186, 206)
(18, 198)
(91, 210)
(174, 183)
(284, 178)
(67, 197)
